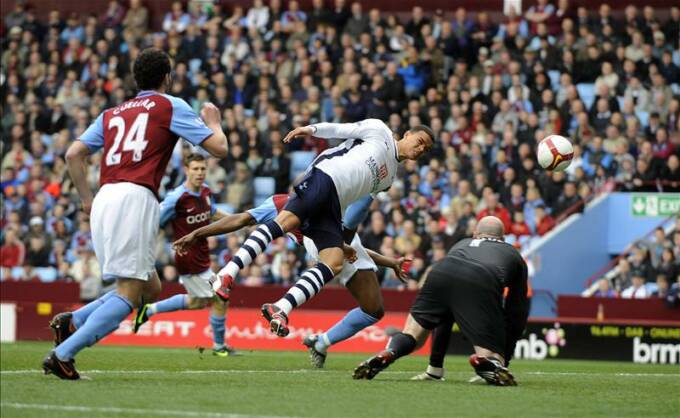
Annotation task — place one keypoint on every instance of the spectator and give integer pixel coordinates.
(177, 19)
(493, 208)
(73, 30)
(607, 78)
(662, 290)
(258, 17)
(519, 228)
(86, 271)
(539, 13)
(358, 22)
(239, 188)
(637, 290)
(624, 275)
(408, 239)
(673, 298)
(12, 253)
(114, 15)
(568, 200)
(668, 265)
(136, 21)
(603, 290)
(670, 175)
(638, 95)
(544, 222)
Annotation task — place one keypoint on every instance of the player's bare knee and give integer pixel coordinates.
(152, 289)
(287, 220)
(132, 289)
(336, 267)
(377, 312)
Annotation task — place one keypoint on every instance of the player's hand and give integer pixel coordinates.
(301, 131)
(87, 207)
(181, 245)
(211, 114)
(350, 253)
(401, 267)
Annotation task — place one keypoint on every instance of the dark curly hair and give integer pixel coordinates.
(150, 69)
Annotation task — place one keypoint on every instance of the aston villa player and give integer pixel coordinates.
(187, 208)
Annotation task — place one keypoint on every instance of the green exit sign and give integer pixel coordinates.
(655, 204)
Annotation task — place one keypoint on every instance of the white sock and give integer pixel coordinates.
(322, 343)
(284, 305)
(435, 371)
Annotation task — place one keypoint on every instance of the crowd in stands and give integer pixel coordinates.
(490, 86)
(650, 269)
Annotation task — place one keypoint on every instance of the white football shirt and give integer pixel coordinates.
(366, 163)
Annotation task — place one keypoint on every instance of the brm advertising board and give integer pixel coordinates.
(651, 344)
(247, 330)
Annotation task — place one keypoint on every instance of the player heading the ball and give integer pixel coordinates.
(365, 163)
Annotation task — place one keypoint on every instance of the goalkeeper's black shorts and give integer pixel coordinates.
(468, 294)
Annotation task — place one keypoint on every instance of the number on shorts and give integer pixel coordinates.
(134, 140)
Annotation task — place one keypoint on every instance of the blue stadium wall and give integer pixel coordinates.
(581, 246)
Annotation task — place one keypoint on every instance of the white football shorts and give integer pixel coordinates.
(364, 261)
(124, 223)
(199, 285)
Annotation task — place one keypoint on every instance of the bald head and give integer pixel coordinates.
(489, 226)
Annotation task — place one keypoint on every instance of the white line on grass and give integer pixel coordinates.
(302, 371)
(136, 411)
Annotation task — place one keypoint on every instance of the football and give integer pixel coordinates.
(555, 153)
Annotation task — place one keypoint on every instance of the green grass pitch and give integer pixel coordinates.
(151, 382)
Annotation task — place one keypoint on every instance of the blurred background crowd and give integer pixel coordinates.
(490, 85)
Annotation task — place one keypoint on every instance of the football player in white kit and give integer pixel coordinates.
(366, 163)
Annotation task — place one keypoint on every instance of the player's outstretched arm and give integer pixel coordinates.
(389, 262)
(227, 224)
(76, 161)
(334, 130)
(297, 132)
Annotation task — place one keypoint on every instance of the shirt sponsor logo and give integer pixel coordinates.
(375, 172)
(201, 217)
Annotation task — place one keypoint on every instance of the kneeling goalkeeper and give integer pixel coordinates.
(467, 287)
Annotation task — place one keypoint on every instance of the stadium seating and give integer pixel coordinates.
(586, 92)
(264, 187)
(554, 76)
(643, 117)
(299, 162)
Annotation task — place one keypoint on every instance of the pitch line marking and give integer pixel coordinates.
(303, 371)
(136, 411)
